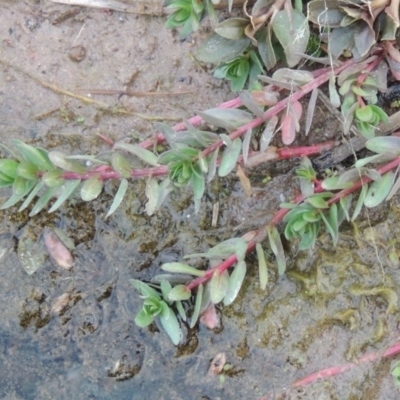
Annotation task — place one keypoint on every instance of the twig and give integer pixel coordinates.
(109, 92)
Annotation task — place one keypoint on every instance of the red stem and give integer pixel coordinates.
(195, 121)
(279, 106)
(278, 217)
(332, 371)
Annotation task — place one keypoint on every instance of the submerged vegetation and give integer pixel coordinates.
(357, 45)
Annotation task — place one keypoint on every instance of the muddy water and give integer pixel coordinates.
(318, 315)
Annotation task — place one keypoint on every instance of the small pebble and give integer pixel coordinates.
(77, 53)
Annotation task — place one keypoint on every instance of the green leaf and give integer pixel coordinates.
(145, 155)
(14, 199)
(179, 293)
(170, 324)
(378, 190)
(332, 183)
(91, 188)
(8, 169)
(69, 188)
(384, 144)
(21, 186)
(53, 178)
(60, 160)
(27, 170)
(360, 201)
(198, 184)
(277, 248)
(331, 224)
(232, 28)
(219, 286)
(123, 186)
(166, 287)
(227, 118)
(229, 158)
(265, 47)
(317, 201)
(237, 246)
(181, 310)
(144, 289)
(197, 306)
(121, 165)
(291, 29)
(36, 156)
(180, 268)
(43, 200)
(31, 196)
(364, 114)
(235, 282)
(252, 105)
(143, 319)
(262, 267)
(216, 49)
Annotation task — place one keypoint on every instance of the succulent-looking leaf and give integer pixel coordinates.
(53, 178)
(246, 145)
(8, 169)
(360, 201)
(277, 248)
(251, 104)
(27, 170)
(91, 188)
(32, 194)
(170, 324)
(331, 223)
(227, 118)
(291, 29)
(333, 94)
(178, 293)
(235, 282)
(166, 287)
(265, 47)
(36, 156)
(145, 155)
(123, 186)
(22, 186)
(144, 289)
(232, 28)
(181, 310)
(384, 144)
(229, 158)
(217, 49)
(61, 160)
(311, 109)
(268, 133)
(197, 306)
(143, 319)
(317, 201)
(262, 267)
(69, 188)
(121, 165)
(43, 200)
(378, 190)
(181, 268)
(219, 286)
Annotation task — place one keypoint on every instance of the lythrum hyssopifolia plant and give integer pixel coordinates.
(240, 132)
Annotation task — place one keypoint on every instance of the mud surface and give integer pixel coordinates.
(333, 306)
